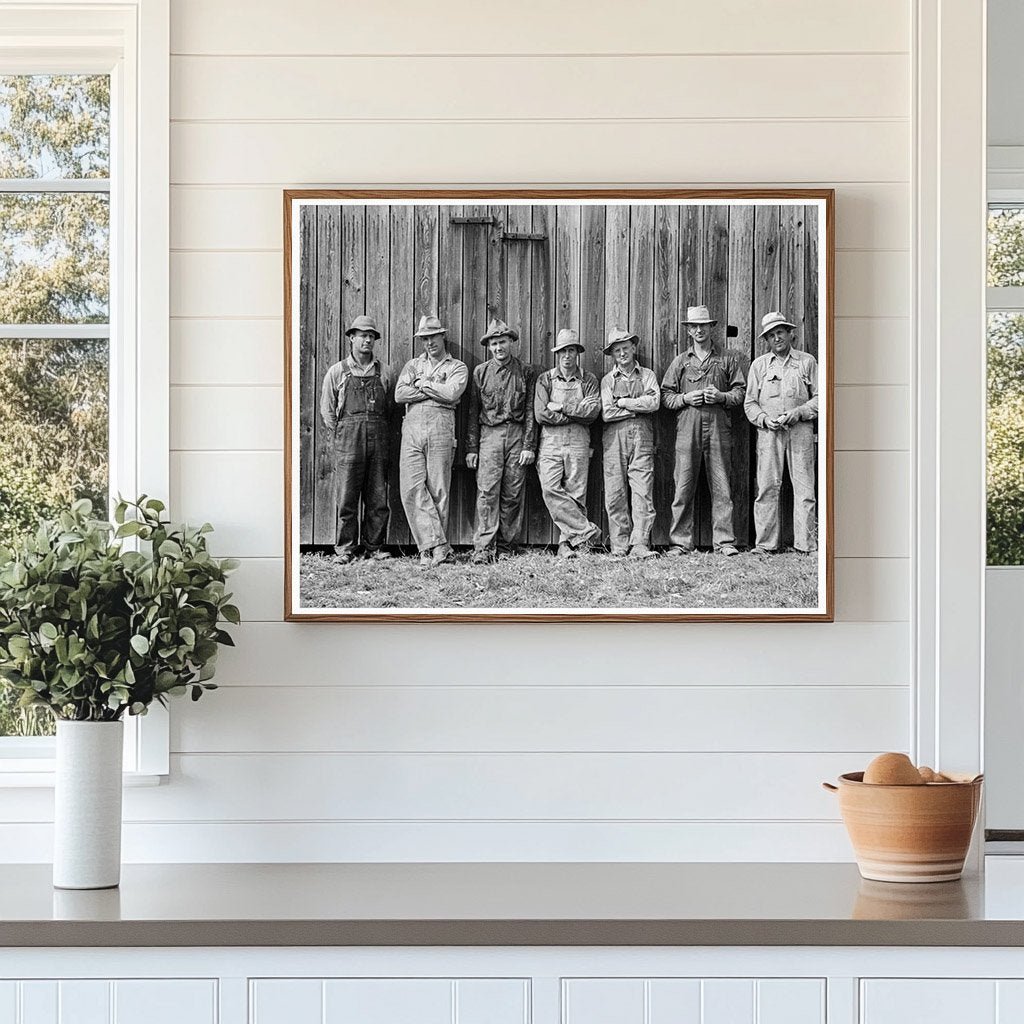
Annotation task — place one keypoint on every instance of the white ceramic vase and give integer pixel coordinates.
(87, 805)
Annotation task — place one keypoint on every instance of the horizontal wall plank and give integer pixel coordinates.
(251, 418)
(867, 589)
(241, 493)
(408, 719)
(867, 351)
(237, 418)
(873, 283)
(367, 88)
(872, 216)
(873, 589)
(281, 654)
(415, 787)
(567, 151)
(872, 351)
(243, 352)
(249, 284)
(872, 418)
(406, 26)
(452, 842)
(872, 504)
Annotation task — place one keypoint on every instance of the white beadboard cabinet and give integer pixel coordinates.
(513, 985)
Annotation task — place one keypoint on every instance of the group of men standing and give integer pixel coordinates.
(518, 417)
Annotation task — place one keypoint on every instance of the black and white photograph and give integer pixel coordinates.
(559, 405)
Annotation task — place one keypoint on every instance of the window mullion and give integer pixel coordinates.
(64, 332)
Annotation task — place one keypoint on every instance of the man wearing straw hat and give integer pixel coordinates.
(429, 387)
(501, 441)
(702, 385)
(567, 400)
(356, 406)
(782, 402)
(629, 398)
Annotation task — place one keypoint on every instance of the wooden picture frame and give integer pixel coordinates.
(542, 260)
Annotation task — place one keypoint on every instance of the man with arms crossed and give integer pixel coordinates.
(703, 385)
(501, 441)
(782, 402)
(430, 387)
(356, 406)
(629, 398)
(567, 400)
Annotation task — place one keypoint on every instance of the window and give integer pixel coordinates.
(1005, 477)
(84, 124)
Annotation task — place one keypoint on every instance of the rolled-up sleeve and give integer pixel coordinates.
(329, 400)
(588, 407)
(541, 396)
(751, 401)
(451, 388)
(671, 389)
(529, 419)
(809, 410)
(737, 383)
(473, 426)
(406, 391)
(650, 399)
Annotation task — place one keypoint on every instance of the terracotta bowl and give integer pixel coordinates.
(909, 833)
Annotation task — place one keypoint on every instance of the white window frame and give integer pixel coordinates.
(130, 41)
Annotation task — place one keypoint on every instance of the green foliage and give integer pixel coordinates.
(1005, 478)
(1005, 247)
(91, 630)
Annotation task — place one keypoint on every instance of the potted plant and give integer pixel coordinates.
(94, 625)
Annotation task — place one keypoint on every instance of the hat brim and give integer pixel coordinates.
(569, 344)
(697, 323)
(618, 341)
(430, 334)
(363, 330)
(780, 323)
(488, 338)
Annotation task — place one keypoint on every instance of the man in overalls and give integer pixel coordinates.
(430, 387)
(355, 405)
(629, 398)
(782, 402)
(501, 441)
(703, 384)
(567, 400)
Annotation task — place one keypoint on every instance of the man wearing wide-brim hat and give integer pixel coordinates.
(630, 397)
(567, 399)
(356, 406)
(703, 385)
(782, 402)
(501, 441)
(429, 386)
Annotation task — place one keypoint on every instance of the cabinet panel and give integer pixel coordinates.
(603, 1001)
(928, 1001)
(286, 1001)
(8, 1002)
(1009, 1002)
(164, 1002)
(674, 1001)
(790, 1001)
(388, 1001)
(83, 1002)
(492, 1002)
(38, 1002)
(728, 1001)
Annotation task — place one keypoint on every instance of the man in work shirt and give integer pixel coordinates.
(703, 385)
(501, 441)
(567, 400)
(430, 387)
(629, 398)
(356, 405)
(782, 402)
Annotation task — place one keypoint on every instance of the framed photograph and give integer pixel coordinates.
(531, 405)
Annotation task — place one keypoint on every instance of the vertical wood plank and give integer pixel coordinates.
(790, 1001)
(378, 273)
(308, 383)
(716, 296)
(727, 1001)
(667, 338)
(766, 266)
(673, 1001)
(640, 317)
(497, 260)
(567, 266)
(401, 322)
(424, 261)
(616, 292)
(328, 351)
(593, 272)
(691, 257)
(353, 267)
(791, 267)
(741, 314)
(811, 282)
(539, 528)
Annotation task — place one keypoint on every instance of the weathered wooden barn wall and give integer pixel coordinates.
(584, 266)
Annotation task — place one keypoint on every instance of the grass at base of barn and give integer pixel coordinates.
(537, 579)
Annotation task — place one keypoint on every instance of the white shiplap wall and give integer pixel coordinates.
(432, 742)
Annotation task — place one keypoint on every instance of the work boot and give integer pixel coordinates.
(442, 553)
(566, 550)
(642, 551)
(426, 561)
(482, 557)
(344, 557)
(728, 550)
(677, 552)
(378, 555)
